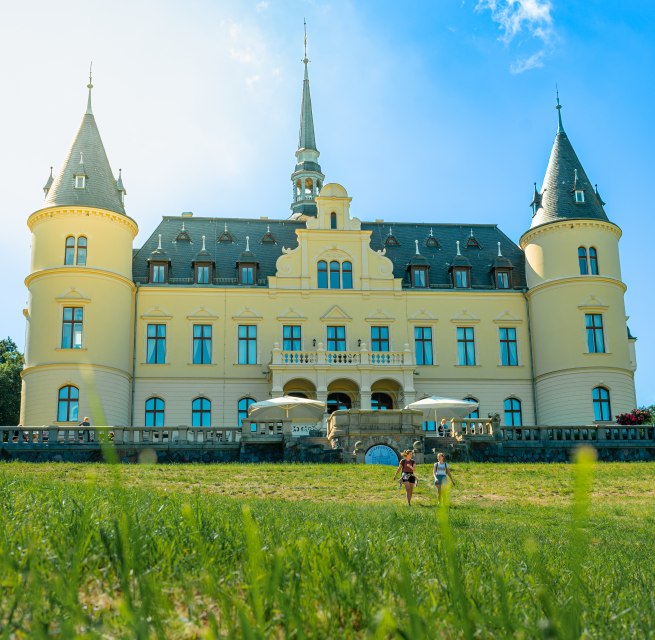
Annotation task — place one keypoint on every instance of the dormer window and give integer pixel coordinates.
(158, 272)
(579, 195)
(202, 273)
(461, 279)
(502, 278)
(246, 274)
(80, 182)
(419, 276)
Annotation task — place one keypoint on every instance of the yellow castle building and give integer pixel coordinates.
(212, 314)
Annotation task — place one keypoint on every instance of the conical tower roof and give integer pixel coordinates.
(564, 176)
(87, 157)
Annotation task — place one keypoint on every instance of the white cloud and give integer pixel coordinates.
(262, 6)
(515, 17)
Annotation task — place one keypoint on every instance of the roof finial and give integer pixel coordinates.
(499, 253)
(431, 232)
(560, 126)
(458, 252)
(416, 243)
(471, 233)
(247, 243)
(305, 60)
(89, 87)
(268, 228)
(183, 229)
(159, 245)
(81, 157)
(390, 232)
(203, 243)
(226, 227)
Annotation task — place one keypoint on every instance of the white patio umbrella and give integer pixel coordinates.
(284, 407)
(436, 407)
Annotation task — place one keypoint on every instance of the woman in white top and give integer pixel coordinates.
(441, 474)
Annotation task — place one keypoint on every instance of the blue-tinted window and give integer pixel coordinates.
(68, 404)
(333, 220)
(582, 261)
(508, 349)
(201, 412)
(465, 346)
(381, 402)
(593, 261)
(336, 338)
(291, 337)
(247, 344)
(475, 414)
(513, 416)
(158, 273)
(202, 274)
(335, 275)
(461, 278)
(202, 344)
(71, 328)
(69, 254)
(322, 274)
(423, 345)
(81, 251)
(602, 408)
(156, 344)
(347, 275)
(379, 338)
(419, 277)
(247, 274)
(595, 337)
(155, 409)
(242, 409)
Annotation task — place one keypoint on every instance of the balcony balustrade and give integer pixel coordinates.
(321, 356)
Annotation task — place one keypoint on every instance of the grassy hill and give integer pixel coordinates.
(325, 551)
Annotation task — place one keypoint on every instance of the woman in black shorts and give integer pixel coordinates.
(406, 468)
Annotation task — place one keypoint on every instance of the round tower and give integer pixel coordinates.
(80, 311)
(583, 366)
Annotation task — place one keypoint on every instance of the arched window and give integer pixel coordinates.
(155, 408)
(81, 251)
(309, 186)
(513, 417)
(298, 184)
(335, 275)
(475, 414)
(338, 401)
(242, 409)
(333, 220)
(347, 274)
(201, 412)
(582, 261)
(602, 407)
(69, 256)
(381, 402)
(593, 261)
(68, 402)
(322, 275)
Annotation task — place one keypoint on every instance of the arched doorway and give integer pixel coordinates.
(300, 388)
(386, 394)
(381, 454)
(381, 401)
(338, 401)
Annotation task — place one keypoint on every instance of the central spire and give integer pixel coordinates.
(307, 178)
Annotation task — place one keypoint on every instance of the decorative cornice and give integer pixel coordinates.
(574, 280)
(69, 270)
(561, 225)
(43, 214)
(75, 367)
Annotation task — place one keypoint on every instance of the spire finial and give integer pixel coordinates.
(431, 234)
(89, 87)
(268, 228)
(305, 59)
(183, 229)
(416, 243)
(458, 252)
(159, 245)
(560, 126)
(499, 253)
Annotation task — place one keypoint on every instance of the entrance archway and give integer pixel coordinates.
(338, 401)
(386, 393)
(381, 454)
(300, 388)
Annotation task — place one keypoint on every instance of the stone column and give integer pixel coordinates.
(365, 399)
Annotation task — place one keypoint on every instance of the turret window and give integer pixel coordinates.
(602, 407)
(579, 196)
(81, 251)
(513, 414)
(80, 182)
(71, 330)
(68, 401)
(582, 261)
(69, 256)
(593, 261)
(155, 412)
(595, 337)
(309, 187)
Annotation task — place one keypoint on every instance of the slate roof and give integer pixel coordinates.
(227, 254)
(101, 189)
(556, 200)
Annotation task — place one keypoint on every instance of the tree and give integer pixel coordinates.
(11, 364)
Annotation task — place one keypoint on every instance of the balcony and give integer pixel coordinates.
(322, 357)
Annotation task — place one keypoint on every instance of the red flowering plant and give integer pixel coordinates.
(635, 417)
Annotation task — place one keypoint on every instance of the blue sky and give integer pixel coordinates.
(438, 111)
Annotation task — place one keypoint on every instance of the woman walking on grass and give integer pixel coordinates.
(406, 468)
(441, 474)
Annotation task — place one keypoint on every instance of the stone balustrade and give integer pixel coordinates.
(362, 356)
(591, 434)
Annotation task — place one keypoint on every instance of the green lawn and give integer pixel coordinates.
(326, 551)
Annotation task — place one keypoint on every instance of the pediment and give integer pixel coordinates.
(422, 316)
(72, 295)
(247, 314)
(201, 313)
(592, 302)
(465, 316)
(292, 314)
(157, 312)
(507, 317)
(379, 316)
(336, 313)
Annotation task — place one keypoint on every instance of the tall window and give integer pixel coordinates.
(155, 409)
(247, 344)
(201, 412)
(202, 344)
(291, 337)
(461, 278)
(513, 417)
(336, 338)
(81, 251)
(68, 401)
(335, 275)
(69, 255)
(423, 345)
(158, 273)
(156, 344)
(593, 261)
(419, 277)
(595, 338)
(242, 409)
(582, 261)
(71, 329)
(475, 414)
(347, 274)
(381, 402)
(508, 351)
(322, 275)
(502, 279)
(202, 274)
(465, 346)
(333, 220)
(602, 408)
(379, 338)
